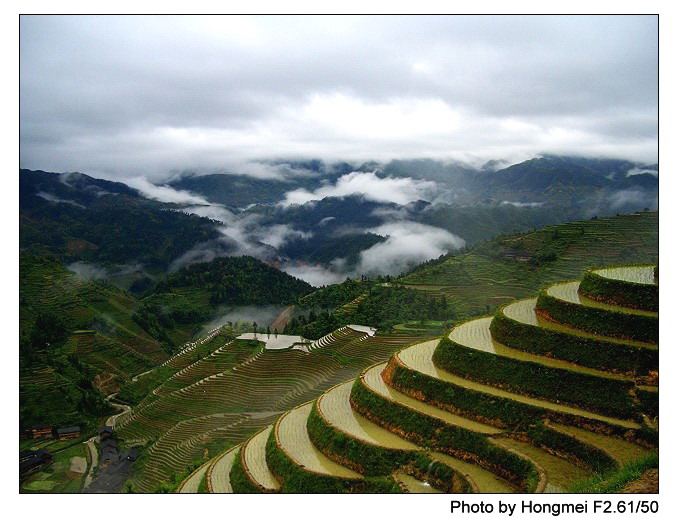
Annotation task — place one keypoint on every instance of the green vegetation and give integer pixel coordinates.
(609, 396)
(65, 474)
(506, 412)
(430, 432)
(78, 339)
(122, 228)
(615, 480)
(619, 292)
(588, 352)
(477, 281)
(382, 307)
(597, 459)
(298, 480)
(617, 324)
(649, 401)
(240, 482)
(237, 281)
(368, 459)
(336, 295)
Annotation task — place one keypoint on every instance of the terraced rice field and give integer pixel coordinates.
(335, 407)
(569, 292)
(548, 449)
(618, 448)
(475, 334)
(192, 483)
(292, 437)
(372, 378)
(523, 311)
(478, 281)
(219, 400)
(254, 460)
(419, 358)
(638, 274)
(220, 470)
(560, 471)
(484, 480)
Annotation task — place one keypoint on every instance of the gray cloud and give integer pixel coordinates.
(315, 275)
(262, 315)
(638, 170)
(407, 244)
(130, 96)
(523, 204)
(88, 271)
(55, 199)
(373, 187)
(633, 199)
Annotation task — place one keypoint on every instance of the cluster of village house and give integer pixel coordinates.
(33, 460)
(49, 432)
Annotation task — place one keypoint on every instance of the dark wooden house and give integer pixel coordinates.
(30, 461)
(106, 432)
(72, 432)
(39, 431)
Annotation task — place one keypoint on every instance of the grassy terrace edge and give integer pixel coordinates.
(587, 352)
(598, 321)
(496, 410)
(608, 396)
(433, 433)
(241, 481)
(295, 479)
(614, 480)
(343, 448)
(620, 292)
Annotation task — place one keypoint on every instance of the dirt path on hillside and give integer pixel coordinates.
(124, 409)
(94, 457)
(142, 374)
(282, 319)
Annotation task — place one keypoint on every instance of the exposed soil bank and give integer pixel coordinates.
(647, 483)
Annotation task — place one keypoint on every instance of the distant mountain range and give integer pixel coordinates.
(78, 218)
(545, 179)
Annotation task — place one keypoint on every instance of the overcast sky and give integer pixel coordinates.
(129, 96)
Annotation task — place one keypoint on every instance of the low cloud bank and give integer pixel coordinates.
(262, 315)
(639, 170)
(55, 199)
(88, 271)
(165, 193)
(521, 205)
(407, 244)
(313, 274)
(628, 200)
(369, 185)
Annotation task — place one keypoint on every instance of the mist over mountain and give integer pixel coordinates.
(320, 222)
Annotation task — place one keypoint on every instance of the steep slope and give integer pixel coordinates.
(76, 336)
(515, 266)
(479, 411)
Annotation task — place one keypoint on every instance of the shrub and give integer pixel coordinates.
(588, 352)
(599, 394)
(620, 293)
(617, 324)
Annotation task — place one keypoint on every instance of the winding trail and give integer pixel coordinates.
(124, 410)
(94, 456)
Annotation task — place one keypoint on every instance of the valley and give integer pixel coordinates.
(205, 362)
